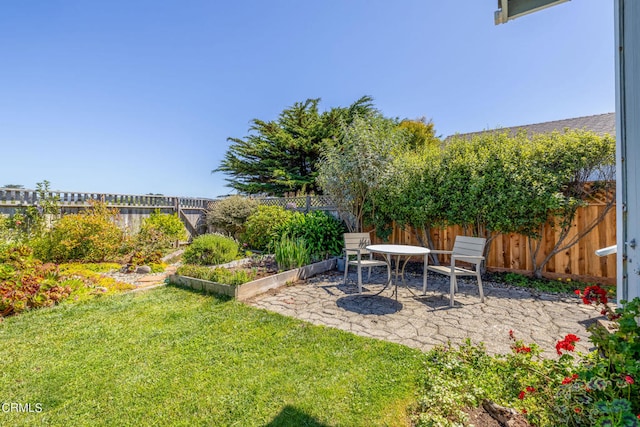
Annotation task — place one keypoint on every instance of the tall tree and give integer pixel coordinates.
(354, 170)
(283, 155)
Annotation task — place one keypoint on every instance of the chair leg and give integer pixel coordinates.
(452, 287)
(346, 269)
(424, 275)
(369, 276)
(424, 283)
(359, 279)
(480, 286)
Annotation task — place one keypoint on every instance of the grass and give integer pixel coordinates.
(176, 357)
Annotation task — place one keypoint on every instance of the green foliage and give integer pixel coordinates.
(91, 235)
(598, 389)
(354, 170)
(160, 231)
(283, 155)
(321, 232)
(421, 133)
(23, 225)
(291, 253)
(47, 202)
(230, 214)
(263, 227)
(410, 195)
(566, 286)
(217, 275)
(27, 284)
(211, 249)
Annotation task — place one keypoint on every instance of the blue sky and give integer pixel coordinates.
(140, 96)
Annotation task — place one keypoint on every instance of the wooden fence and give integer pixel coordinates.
(511, 252)
(507, 252)
(132, 208)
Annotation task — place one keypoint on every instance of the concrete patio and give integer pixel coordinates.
(427, 321)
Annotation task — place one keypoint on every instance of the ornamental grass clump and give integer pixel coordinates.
(291, 253)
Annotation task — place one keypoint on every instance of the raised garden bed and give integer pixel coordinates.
(255, 287)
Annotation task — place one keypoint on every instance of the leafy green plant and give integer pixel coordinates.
(218, 274)
(27, 283)
(321, 232)
(353, 171)
(263, 227)
(291, 253)
(160, 231)
(597, 389)
(211, 249)
(91, 235)
(230, 214)
(567, 285)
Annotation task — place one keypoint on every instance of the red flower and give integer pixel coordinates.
(593, 294)
(522, 349)
(567, 343)
(524, 411)
(577, 410)
(530, 389)
(629, 379)
(569, 380)
(521, 395)
(577, 292)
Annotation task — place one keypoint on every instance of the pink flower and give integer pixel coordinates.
(629, 379)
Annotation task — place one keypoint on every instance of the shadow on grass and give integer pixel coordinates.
(290, 416)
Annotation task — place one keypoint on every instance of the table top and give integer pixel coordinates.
(398, 249)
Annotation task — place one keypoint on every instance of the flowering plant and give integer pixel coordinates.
(600, 388)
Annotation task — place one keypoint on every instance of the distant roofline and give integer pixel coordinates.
(599, 123)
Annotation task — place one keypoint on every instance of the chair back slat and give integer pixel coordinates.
(472, 246)
(357, 241)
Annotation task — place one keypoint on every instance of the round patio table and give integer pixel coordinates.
(398, 251)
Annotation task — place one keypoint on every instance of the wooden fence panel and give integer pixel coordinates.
(512, 252)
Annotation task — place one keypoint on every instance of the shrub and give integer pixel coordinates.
(263, 227)
(90, 236)
(160, 231)
(218, 275)
(211, 249)
(230, 214)
(291, 253)
(601, 388)
(27, 283)
(321, 232)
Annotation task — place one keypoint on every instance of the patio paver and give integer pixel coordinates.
(426, 321)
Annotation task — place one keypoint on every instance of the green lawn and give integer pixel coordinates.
(176, 357)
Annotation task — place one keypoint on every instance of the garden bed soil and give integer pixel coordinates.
(261, 267)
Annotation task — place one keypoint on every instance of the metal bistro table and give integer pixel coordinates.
(389, 251)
